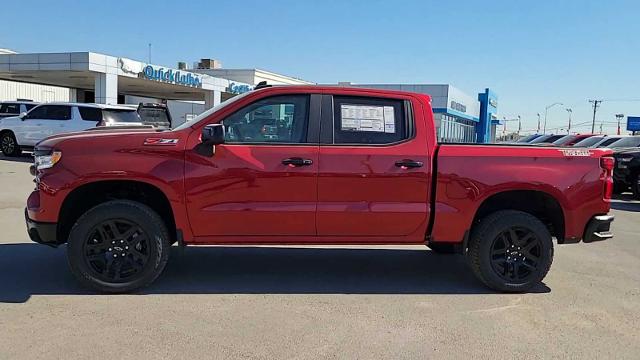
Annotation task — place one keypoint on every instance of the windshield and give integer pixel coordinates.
(117, 115)
(154, 115)
(631, 141)
(588, 141)
(528, 138)
(211, 111)
(565, 140)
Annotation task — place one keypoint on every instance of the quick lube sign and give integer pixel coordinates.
(170, 76)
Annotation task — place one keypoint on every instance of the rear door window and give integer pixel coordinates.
(374, 121)
(90, 113)
(10, 109)
(56, 112)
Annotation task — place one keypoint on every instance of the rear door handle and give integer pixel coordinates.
(296, 162)
(408, 164)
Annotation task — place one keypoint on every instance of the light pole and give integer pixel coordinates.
(619, 118)
(538, 132)
(519, 125)
(546, 110)
(569, 127)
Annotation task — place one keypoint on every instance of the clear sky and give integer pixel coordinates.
(532, 53)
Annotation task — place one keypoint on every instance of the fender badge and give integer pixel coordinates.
(575, 152)
(160, 141)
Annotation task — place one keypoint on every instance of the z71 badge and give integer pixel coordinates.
(160, 141)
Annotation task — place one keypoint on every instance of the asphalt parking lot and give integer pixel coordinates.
(311, 302)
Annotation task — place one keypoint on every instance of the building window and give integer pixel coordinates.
(454, 129)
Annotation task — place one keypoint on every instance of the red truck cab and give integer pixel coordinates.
(312, 165)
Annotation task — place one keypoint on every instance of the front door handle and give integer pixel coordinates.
(296, 161)
(409, 164)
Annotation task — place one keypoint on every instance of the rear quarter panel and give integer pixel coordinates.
(468, 175)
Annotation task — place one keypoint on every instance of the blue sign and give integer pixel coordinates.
(633, 123)
(238, 88)
(170, 76)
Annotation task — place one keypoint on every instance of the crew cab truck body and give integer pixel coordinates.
(312, 165)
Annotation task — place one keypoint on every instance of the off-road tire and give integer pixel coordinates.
(96, 226)
(492, 229)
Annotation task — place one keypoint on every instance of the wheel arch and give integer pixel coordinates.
(544, 206)
(91, 194)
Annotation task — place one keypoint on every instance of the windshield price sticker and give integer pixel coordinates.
(575, 152)
(368, 118)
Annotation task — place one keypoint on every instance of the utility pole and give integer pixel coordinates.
(596, 104)
(149, 58)
(619, 118)
(519, 125)
(538, 132)
(569, 127)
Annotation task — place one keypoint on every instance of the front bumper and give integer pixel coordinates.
(41, 232)
(598, 229)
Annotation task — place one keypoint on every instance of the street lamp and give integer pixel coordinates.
(538, 132)
(546, 110)
(569, 127)
(619, 118)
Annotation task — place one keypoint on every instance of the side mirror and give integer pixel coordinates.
(213, 134)
(22, 115)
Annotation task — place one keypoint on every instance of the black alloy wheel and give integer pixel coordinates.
(116, 250)
(515, 254)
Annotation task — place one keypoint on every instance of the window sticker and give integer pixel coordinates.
(367, 118)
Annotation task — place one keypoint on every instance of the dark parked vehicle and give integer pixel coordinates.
(626, 175)
(154, 114)
(592, 141)
(546, 139)
(570, 140)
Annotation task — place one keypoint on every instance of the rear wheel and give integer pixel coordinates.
(9, 145)
(118, 246)
(510, 251)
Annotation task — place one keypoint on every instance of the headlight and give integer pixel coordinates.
(45, 161)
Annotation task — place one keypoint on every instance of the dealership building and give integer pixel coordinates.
(189, 90)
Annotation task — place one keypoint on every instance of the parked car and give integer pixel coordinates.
(545, 139)
(590, 141)
(156, 115)
(626, 142)
(23, 132)
(15, 108)
(626, 175)
(528, 138)
(312, 165)
(570, 140)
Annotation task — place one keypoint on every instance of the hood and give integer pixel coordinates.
(625, 150)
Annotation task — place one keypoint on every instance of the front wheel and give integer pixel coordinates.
(635, 187)
(9, 145)
(510, 251)
(118, 246)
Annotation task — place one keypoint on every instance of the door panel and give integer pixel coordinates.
(263, 180)
(361, 190)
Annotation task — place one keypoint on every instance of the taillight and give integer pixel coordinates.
(607, 163)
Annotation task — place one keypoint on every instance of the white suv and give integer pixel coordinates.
(25, 131)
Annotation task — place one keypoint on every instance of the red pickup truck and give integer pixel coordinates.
(312, 165)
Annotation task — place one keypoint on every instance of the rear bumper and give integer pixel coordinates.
(598, 229)
(41, 232)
